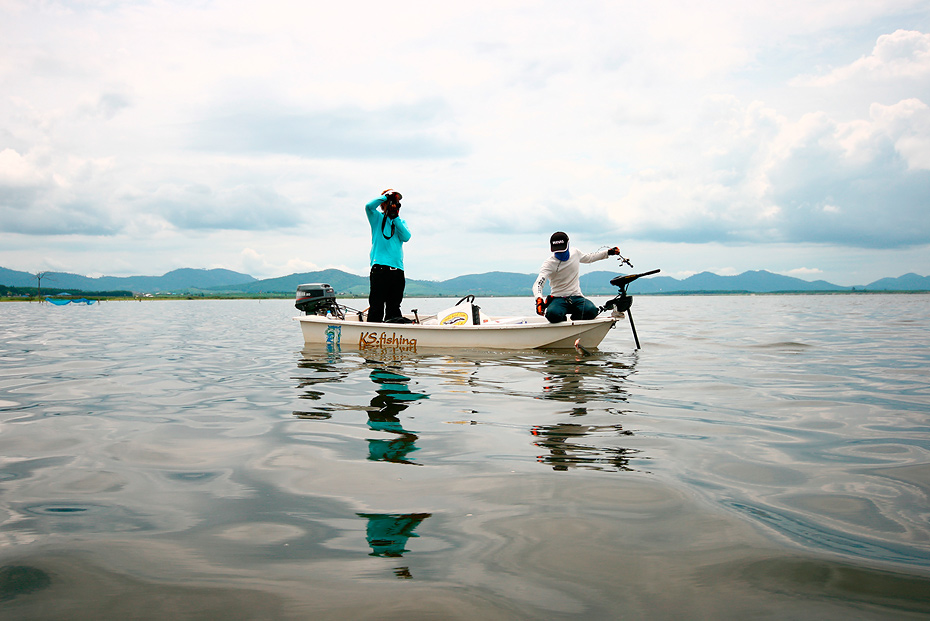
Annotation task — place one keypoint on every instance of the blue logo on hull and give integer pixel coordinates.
(333, 336)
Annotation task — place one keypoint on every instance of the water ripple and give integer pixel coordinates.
(197, 442)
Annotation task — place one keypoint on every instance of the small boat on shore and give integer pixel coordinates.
(330, 324)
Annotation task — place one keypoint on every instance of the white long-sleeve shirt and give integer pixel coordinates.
(563, 276)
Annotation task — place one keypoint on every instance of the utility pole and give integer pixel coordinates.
(39, 276)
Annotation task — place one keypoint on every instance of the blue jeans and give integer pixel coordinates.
(578, 306)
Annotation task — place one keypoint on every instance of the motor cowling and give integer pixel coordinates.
(315, 298)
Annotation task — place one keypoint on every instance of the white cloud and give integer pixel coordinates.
(804, 272)
(901, 54)
(907, 123)
(765, 178)
(104, 105)
(177, 124)
(865, 191)
(240, 207)
(254, 262)
(409, 131)
(16, 171)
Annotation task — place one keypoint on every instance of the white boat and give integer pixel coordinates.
(328, 323)
(491, 333)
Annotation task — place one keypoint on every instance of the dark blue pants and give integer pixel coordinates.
(576, 306)
(385, 293)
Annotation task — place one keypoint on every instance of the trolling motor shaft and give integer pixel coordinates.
(623, 301)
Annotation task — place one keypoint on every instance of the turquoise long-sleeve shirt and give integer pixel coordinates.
(387, 236)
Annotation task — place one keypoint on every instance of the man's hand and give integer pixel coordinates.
(613, 251)
(540, 306)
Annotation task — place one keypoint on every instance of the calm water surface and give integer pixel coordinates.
(759, 457)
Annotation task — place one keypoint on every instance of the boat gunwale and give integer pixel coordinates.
(468, 327)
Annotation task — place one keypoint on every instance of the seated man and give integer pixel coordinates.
(562, 272)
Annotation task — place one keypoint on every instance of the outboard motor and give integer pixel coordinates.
(316, 299)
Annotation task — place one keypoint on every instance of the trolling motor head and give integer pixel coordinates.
(619, 304)
(623, 301)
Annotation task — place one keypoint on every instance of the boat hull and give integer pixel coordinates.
(532, 334)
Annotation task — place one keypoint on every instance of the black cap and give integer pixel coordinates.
(558, 242)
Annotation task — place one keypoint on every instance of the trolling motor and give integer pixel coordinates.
(622, 303)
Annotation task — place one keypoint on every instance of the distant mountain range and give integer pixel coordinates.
(486, 285)
(177, 280)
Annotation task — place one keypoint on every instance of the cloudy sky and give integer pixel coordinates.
(718, 135)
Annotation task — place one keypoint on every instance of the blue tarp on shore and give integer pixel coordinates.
(64, 301)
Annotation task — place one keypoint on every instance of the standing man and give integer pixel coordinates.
(562, 271)
(388, 234)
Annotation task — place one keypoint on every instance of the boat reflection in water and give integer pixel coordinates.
(565, 450)
(392, 397)
(581, 380)
(387, 533)
(566, 411)
(583, 430)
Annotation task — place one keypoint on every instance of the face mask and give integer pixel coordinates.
(563, 256)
